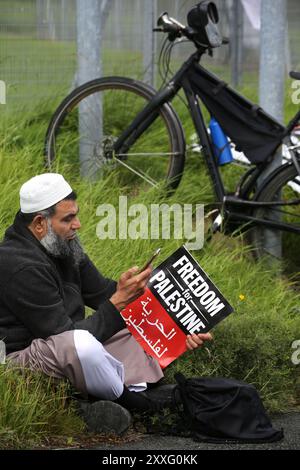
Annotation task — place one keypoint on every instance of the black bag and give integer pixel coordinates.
(222, 410)
(253, 131)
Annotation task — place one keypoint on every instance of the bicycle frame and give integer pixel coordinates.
(228, 203)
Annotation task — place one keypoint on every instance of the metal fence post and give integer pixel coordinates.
(271, 84)
(50, 21)
(63, 26)
(118, 17)
(236, 42)
(40, 18)
(89, 67)
(149, 41)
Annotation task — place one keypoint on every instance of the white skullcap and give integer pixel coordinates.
(42, 191)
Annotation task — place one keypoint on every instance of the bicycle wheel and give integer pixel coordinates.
(88, 122)
(285, 186)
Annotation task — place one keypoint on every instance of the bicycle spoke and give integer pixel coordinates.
(140, 154)
(145, 177)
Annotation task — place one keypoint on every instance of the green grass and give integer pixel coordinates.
(49, 73)
(34, 407)
(252, 344)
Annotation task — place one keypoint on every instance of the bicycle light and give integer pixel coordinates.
(203, 19)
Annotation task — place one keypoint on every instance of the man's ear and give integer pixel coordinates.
(39, 226)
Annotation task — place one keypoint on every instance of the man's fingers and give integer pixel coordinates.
(205, 336)
(128, 277)
(141, 279)
(128, 274)
(194, 341)
(144, 274)
(192, 345)
(132, 282)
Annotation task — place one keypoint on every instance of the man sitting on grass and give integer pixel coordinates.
(46, 280)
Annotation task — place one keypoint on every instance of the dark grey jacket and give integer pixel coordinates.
(41, 295)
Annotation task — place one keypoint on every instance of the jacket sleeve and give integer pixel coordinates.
(95, 288)
(35, 299)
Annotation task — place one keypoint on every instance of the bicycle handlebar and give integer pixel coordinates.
(169, 25)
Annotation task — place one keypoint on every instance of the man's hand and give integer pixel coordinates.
(195, 341)
(130, 286)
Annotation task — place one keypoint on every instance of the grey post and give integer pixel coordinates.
(64, 24)
(46, 28)
(236, 42)
(149, 40)
(51, 21)
(271, 82)
(119, 20)
(40, 18)
(89, 67)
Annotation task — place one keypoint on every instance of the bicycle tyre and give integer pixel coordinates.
(165, 132)
(285, 183)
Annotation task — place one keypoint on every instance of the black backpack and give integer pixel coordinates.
(222, 410)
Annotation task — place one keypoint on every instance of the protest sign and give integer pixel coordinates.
(180, 299)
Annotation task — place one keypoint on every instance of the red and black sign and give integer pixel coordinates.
(180, 299)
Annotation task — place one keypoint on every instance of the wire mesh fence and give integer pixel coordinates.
(38, 44)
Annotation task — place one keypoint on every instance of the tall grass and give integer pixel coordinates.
(253, 344)
(33, 407)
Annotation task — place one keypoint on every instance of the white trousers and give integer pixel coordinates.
(103, 374)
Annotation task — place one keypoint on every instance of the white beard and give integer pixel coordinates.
(61, 248)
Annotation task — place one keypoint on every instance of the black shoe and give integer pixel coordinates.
(162, 392)
(162, 397)
(104, 416)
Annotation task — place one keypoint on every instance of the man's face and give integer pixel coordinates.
(58, 234)
(65, 221)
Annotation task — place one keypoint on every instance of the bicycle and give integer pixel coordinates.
(125, 119)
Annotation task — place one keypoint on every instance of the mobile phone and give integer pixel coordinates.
(155, 254)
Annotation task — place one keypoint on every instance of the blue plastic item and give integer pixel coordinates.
(220, 142)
